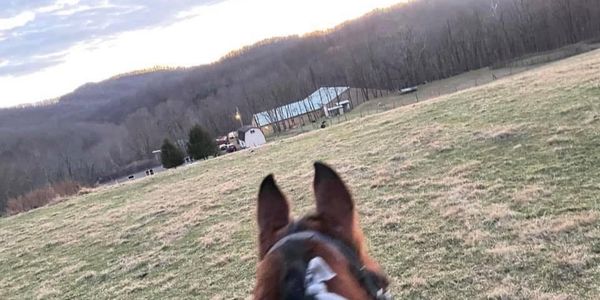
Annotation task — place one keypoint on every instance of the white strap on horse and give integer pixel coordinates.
(317, 273)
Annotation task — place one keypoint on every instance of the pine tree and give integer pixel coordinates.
(171, 156)
(201, 145)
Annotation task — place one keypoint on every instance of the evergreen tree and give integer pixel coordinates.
(171, 156)
(201, 144)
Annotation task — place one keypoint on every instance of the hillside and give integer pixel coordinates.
(490, 192)
(106, 130)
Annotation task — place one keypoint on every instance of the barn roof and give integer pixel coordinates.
(313, 102)
(246, 128)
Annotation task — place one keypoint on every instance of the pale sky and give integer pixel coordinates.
(50, 47)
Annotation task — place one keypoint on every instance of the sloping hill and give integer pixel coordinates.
(491, 192)
(104, 130)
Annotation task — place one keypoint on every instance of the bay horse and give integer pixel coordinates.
(321, 256)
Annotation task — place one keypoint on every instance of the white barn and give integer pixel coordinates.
(251, 137)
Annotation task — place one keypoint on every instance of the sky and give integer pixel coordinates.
(50, 47)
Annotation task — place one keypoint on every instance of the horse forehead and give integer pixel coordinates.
(308, 222)
(300, 240)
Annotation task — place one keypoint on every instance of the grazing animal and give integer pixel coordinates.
(321, 256)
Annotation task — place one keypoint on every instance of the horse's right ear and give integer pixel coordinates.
(273, 214)
(334, 202)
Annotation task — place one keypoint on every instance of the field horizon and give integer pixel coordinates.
(489, 193)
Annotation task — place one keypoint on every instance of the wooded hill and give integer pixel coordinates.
(111, 127)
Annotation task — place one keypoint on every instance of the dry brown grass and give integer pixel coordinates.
(42, 197)
(499, 133)
(559, 140)
(504, 250)
(551, 227)
(532, 193)
(464, 169)
(448, 215)
(218, 234)
(499, 212)
(502, 293)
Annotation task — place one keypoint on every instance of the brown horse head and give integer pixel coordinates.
(320, 255)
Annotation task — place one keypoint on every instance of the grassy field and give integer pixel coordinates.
(492, 192)
(437, 89)
(443, 87)
(426, 92)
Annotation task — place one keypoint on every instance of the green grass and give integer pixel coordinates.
(492, 192)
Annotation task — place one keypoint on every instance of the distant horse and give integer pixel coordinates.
(322, 256)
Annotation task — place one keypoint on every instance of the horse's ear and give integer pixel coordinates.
(334, 202)
(273, 214)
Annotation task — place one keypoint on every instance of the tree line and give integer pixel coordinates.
(109, 129)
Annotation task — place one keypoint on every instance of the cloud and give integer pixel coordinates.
(72, 43)
(58, 5)
(35, 63)
(40, 28)
(17, 21)
(26, 68)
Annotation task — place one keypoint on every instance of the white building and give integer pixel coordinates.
(251, 137)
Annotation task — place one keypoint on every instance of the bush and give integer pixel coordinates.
(42, 197)
(201, 145)
(171, 156)
(66, 188)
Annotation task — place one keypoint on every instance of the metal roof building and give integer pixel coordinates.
(314, 102)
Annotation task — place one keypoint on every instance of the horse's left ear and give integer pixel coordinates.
(273, 214)
(334, 202)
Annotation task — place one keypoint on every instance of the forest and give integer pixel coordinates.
(107, 129)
